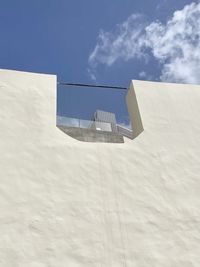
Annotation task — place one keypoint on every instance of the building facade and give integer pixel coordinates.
(64, 202)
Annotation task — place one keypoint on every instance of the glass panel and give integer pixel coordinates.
(86, 124)
(69, 122)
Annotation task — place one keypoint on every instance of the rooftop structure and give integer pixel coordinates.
(102, 128)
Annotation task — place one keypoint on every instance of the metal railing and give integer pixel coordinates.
(85, 124)
(93, 125)
(125, 131)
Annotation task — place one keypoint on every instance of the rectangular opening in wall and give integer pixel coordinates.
(101, 110)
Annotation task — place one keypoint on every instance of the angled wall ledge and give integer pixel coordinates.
(134, 112)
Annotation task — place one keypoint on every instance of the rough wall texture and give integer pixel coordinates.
(70, 203)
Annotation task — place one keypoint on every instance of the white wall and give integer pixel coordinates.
(70, 203)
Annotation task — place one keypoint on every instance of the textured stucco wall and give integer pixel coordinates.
(70, 203)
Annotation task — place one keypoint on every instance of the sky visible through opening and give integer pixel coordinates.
(102, 42)
(82, 102)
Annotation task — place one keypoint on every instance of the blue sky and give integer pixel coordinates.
(106, 42)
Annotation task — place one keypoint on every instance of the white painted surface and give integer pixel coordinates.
(69, 203)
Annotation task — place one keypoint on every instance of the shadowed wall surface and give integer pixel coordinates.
(69, 203)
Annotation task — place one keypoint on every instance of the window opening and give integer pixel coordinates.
(85, 107)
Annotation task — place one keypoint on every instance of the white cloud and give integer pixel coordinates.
(91, 75)
(175, 45)
(161, 4)
(124, 43)
(142, 74)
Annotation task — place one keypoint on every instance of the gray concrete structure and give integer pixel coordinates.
(89, 131)
(105, 116)
(90, 135)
